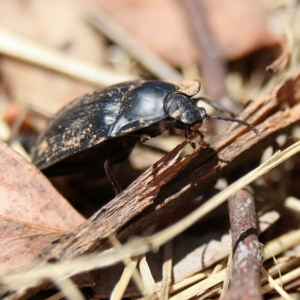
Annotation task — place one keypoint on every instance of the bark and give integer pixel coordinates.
(247, 253)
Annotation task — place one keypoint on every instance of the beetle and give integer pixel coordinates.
(105, 125)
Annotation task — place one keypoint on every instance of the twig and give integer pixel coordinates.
(275, 284)
(119, 35)
(120, 287)
(247, 252)
(148, 280)
(135, 275)
(16, 126)
(282, 243)
(282, 58)
(211, 63)
(200, 287)
(226, 281)
(26, 50)
(167, 272)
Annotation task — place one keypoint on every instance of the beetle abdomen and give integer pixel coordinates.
(80, 125)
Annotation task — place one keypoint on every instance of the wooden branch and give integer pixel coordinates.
(172, 181)
(212, 64)
(247, 252)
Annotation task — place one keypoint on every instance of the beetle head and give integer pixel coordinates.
(185, 111)
(188, 115)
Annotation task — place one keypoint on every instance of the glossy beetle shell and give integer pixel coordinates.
(106, 124)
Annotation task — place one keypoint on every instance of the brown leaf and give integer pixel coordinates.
(163, 26)
(235, 32)
(58, 27)
(31, 211)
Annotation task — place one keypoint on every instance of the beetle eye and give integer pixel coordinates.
(202, 112)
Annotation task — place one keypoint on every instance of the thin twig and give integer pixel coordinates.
(119, 35)
(275, 284)
(282, 58)
(23, 49)
(167, 272)
(211, 63)
(135, 275)
(147, 276)
(16, 126)
(246, 249)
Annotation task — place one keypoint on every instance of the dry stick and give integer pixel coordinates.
(69, 289)
(167, 272)
(210, 61)
(167, 185)
(17, 126)
(227, 278)
(122, 284)
(200, 287)
(275, 284)
(24, 49)
(211, 293)
(281, 268)
(282, 243)
(119, 35)
(147, 276)
(279, 62)
(246, 249)
(135, 275)
(293, 286)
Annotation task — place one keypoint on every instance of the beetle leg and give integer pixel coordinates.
(193, 145)
(189, 136)
(202, 143)
(112, 178)
(144, 137)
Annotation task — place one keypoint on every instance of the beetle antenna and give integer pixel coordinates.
(251, 127)
(215, 105)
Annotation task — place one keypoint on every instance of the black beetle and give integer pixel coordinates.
(105, 125)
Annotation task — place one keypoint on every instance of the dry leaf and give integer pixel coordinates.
(58, 25)
(236, 33)
(31, 212)
(164, 26)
